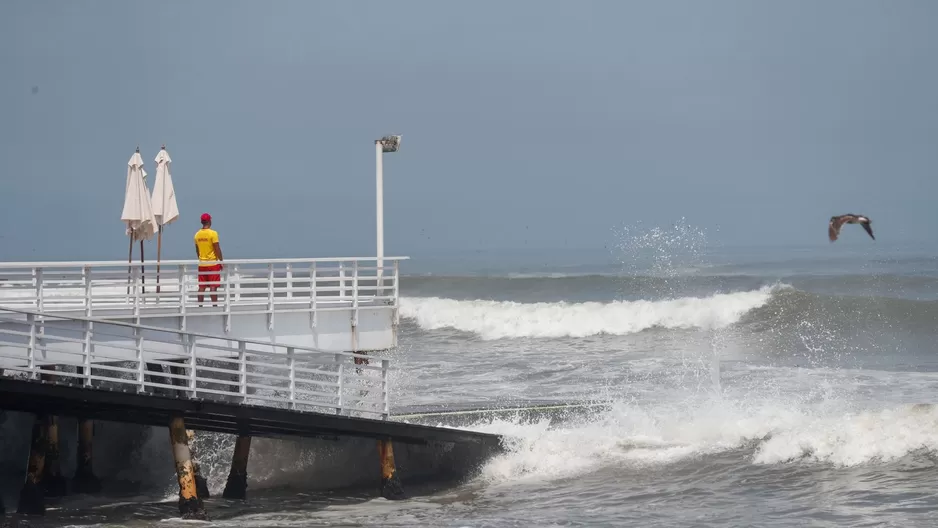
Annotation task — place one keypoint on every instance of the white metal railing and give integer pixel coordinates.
(93, 353)
(261, 286)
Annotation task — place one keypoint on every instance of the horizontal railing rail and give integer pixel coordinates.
(148, 289)
(94, 352)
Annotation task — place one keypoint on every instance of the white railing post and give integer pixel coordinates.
(227, 299)
(141, 363)
(355, 305)
(190, 349)
(39, 301)
(379, 278)
(270, 296)
(397, 283)
(183, 294)
(355, 278)
(340, 382)
(136, 276)
(396, 311)
(342, 284)
(86, 278)
(289, 276)
(31, 346)
(243, 371)
(40, 333)
(386, 414)
(86, 350)
(291, 361)
(312, 296)
(237, 285)
(270, 286)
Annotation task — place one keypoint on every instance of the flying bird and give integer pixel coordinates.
(833, 229)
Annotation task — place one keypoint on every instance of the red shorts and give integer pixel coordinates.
(205, 276)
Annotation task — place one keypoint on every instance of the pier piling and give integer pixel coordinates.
(32, 501)
(237, 485)
(190, 504)
(201, 484)
(391, 486)
(51, 479)
(85, 480)
(53, 483)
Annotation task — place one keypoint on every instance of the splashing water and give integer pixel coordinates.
(763, 432)
(669, 252)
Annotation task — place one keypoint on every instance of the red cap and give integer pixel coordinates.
(206, 217)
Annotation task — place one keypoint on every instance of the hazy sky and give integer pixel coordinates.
(526, 123)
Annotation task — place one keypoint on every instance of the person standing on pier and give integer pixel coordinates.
(208, 250)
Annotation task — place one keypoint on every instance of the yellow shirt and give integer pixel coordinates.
(205, 240)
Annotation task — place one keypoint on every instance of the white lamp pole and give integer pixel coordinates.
(385, 144)
(379, 205)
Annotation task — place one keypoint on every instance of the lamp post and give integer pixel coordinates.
(385, 144)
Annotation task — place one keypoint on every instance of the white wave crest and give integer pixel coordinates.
(652, 437)
(853, 439)
(629, 435)
(503, 319)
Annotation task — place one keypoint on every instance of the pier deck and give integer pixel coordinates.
(331, 304)
(65, 365)
(217, 416)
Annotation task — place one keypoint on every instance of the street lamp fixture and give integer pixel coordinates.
(390, 143)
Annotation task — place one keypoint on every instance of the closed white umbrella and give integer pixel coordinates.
(165, 208)
(137, 213)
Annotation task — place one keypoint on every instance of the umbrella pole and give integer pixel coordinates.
(159, 250)
(130, 255)
(143, 278)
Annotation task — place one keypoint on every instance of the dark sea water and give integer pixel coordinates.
(777, 386)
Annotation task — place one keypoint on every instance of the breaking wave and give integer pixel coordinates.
(506, 319)
(764, 434)
(774, 307)
(852, 439)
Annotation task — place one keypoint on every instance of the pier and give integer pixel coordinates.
(291, 348)
(331, 304)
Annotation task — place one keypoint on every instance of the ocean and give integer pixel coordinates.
(772, 386)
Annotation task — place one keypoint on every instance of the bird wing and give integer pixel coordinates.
(847, 218)
(833, 228)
